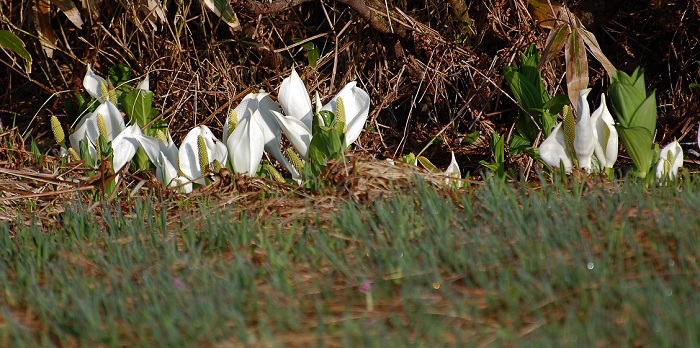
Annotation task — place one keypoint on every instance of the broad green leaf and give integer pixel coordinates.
(529, 66)
(638, 77)
(410, 158)
(12, 42)
(317, 158)
(526, 128)
(645, 115)
(335, 141)
(223, 9)
(119, 74)
(312, 53)
(525, 92)
(498, 147)
(141, 159)
(556, 104)
(549, 121)
(519, 145)
(626, 99)
(470, 138)
(638, 144)
(138, 106)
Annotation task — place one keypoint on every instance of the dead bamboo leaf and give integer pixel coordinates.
(576, 66)
(555, 42)
(68, 8)
(594, 48)
(42, 17)
(223, 9)
(545, 12)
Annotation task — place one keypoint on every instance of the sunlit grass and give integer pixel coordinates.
(508, 264)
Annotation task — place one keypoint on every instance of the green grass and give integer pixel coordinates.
(509, 265)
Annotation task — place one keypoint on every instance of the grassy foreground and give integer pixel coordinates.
(498, 264)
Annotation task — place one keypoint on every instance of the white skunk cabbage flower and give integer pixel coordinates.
(96, 85)
(260, 108)
(297, 124)
(246, 145)
(452, 172)
(164, 155)
(584, 139)
(197, 153)
(553, 150)
(671, 159)
(88, 128)
(607, 139)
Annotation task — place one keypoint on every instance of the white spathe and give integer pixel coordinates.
(145, 84)
(553, 150)
(164, 155)
(260, 108)
(671, 159)
(297, 133)
(246, 146)
(584, 140)
(607, 139)
(295, 100)
(125, 145)
(188, 153)
(89, 131)
(452, 172)
(297, 124)
(356, 105)
(93, 85)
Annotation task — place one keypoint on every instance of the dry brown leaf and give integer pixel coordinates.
(594, 48)
(576, 66)
(68, 8)
(47, 36)
(555, 42)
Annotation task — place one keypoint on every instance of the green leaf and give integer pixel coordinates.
(470, 138)
(498, 147)
(626, 99)
(12, 42)
(312, 53)
(427, 164)
(335, 139)
(519, 145)
(317, 157)
(138, 107)
(525, 91)
(119, 74)
(141, 159)
(85, 154)
(410, 158)
(529, 65)
(645, 115)
(638, 144)
(556, 104)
